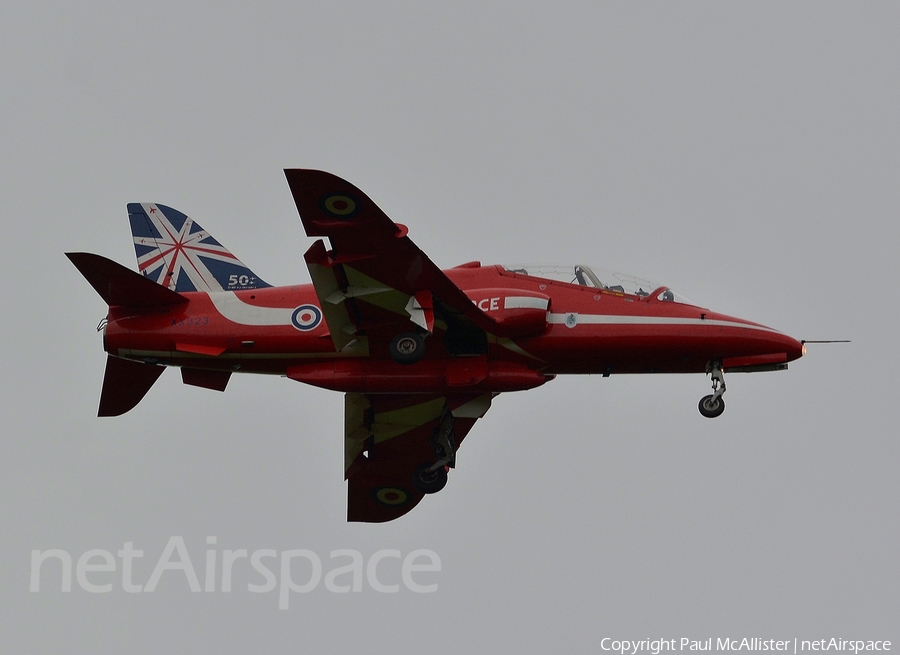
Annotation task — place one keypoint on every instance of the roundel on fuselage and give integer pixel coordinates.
(306, 317)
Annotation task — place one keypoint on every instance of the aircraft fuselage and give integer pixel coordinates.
(585, 330)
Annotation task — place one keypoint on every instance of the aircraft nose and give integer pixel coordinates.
(762, 345)
(794, 349)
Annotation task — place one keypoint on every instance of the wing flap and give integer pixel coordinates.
(331, 298)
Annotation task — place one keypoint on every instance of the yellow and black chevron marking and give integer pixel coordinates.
(390, 496)
(339, 205)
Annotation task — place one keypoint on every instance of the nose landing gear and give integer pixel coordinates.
(713, 405)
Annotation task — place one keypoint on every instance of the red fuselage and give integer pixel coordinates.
(586, 330)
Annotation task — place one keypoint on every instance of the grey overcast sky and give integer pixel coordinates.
(747, 154)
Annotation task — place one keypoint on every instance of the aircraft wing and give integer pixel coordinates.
(387, 436)
(375, 282)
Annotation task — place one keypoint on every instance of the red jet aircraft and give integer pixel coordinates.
(418, 352)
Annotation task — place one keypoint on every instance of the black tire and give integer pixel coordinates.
(429, 482)
(407, 348)
(711, 409)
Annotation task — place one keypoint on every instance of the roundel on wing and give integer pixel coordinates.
(340, 205)
(390, 496)
(306, 317)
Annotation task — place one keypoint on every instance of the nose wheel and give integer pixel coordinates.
(713, 405)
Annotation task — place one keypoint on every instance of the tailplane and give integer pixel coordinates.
(120, 286)
(125, 383)
(174, 251)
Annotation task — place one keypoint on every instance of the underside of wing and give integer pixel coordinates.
(374, 282)
(392, 440)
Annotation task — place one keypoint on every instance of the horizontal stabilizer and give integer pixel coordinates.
(118, 285)
(125, 383)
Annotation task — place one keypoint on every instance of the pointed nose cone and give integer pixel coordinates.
(754, 345)
(794, 349)
(778, 343)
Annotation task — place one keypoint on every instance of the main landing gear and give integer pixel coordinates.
(431, 478)
(713, 405)
(407, 348)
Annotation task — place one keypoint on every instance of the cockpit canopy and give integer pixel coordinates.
(598, 278)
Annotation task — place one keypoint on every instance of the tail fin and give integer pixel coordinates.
(174, 251)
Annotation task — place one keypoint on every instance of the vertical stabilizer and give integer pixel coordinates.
(174, 251)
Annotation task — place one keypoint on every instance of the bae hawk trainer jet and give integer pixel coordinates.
(418, 352)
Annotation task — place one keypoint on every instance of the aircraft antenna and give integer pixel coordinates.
(826, 341)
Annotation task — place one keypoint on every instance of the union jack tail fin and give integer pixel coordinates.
(177, 253)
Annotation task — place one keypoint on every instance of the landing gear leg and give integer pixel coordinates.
(444, 442)
(713, 405)
(431, 478)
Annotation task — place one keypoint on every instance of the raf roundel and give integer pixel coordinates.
(339, 205)
(306, 317)
(391, 496)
